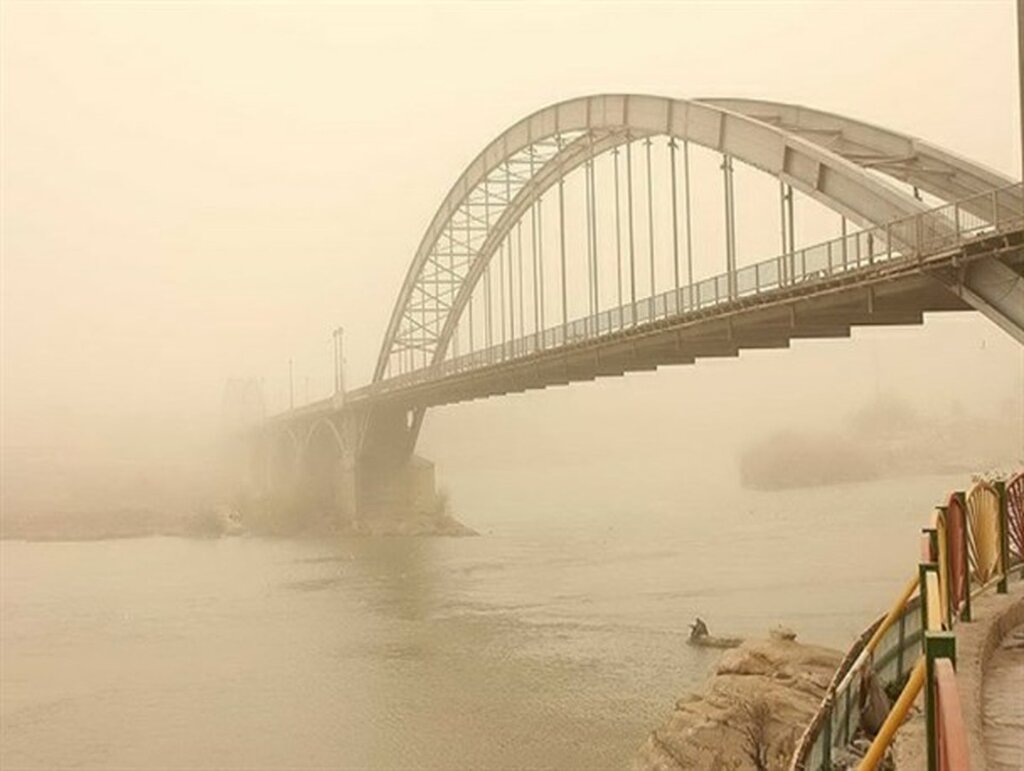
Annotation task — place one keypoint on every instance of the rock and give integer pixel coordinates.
(782, 633)
(762, 693)
(411, 524)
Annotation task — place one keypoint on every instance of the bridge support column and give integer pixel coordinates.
(329, 470)
(347, 489)
(392, 480)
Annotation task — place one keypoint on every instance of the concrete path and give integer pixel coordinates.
(990, 677)
(1003, 704)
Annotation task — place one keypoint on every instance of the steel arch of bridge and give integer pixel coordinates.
(834, 160)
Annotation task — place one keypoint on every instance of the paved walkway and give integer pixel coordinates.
(1003, 704)
(990, 676)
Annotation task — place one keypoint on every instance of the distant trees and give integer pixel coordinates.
(789, 459)
(884, 417)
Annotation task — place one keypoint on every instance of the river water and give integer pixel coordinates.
(555, 640)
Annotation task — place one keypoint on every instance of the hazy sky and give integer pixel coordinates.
(194, 191)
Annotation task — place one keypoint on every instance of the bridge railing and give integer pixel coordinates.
(973, 543)
(912, 238)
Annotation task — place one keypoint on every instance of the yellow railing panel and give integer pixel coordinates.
(983, 531)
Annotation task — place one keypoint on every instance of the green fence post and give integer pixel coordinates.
(847, 711)
(826, 736)
(937, 645)
(1004, 536)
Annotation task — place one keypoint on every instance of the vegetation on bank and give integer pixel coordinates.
(886, 438)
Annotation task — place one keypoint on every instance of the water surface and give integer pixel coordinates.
(555, 640)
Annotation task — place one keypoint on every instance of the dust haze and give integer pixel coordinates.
(198, 192)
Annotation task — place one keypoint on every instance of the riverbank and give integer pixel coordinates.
(98, 525)
(212, 522)
(749, 713)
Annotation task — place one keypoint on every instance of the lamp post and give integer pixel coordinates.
(339, 362)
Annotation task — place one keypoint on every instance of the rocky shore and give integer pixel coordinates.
(749, 714)
(420, 524)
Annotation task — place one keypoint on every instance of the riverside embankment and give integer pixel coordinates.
(751, 711)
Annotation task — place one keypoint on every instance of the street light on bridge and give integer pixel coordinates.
(291, 385)
(339, 362)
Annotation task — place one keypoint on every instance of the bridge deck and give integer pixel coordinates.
(898, 293)
(817, 304)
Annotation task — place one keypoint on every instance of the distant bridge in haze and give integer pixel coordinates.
(565, 252)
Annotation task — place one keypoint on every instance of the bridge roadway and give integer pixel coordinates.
(821, 305)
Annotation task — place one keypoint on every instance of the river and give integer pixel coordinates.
(554, 640)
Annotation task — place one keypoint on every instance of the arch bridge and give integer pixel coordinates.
(616, 233)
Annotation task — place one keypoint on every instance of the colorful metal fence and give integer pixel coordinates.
(1015, 516)
(973, 543)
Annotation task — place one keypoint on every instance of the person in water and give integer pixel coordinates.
(698, 629)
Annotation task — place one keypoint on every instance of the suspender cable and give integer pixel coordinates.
(533, 256)
(488, 303)
(618, 233)
(488, 306)
(629, 223)
(783, 279)
(501, 294)
(519, 271)
(650, 219)
(511, 291)
(561, 243)
(792, 232)
(593, 225)
(533, 251)
(508, 240)
(675, 216)
(845, 255)
(689, 236)
(452, 256)
(730, 228)
(588, 174)
(540, 258)
(469, 263)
